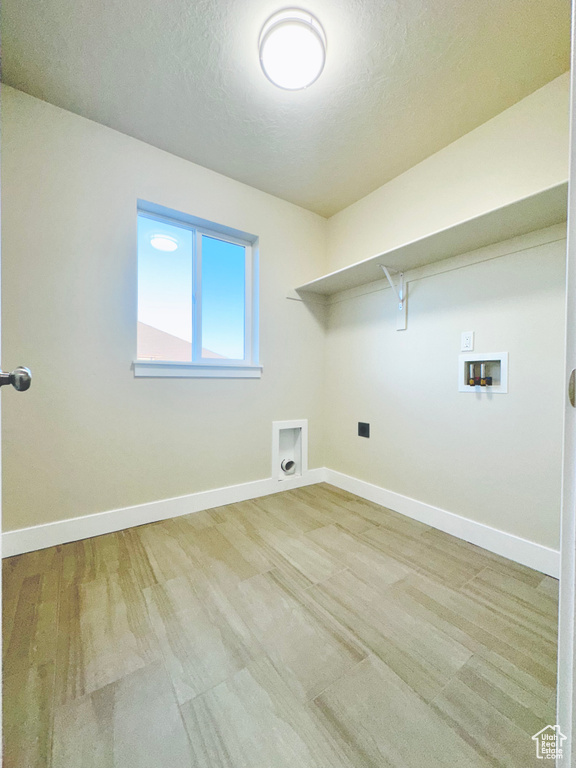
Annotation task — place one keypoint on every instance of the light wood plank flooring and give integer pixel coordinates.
(311, 629)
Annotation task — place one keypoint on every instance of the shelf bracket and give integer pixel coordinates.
(401, 291)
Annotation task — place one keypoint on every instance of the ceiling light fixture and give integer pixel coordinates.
(292, 49)
(163, 242)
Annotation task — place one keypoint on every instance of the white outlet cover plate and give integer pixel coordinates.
(467, 342)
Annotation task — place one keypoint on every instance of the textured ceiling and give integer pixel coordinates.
(403, 79)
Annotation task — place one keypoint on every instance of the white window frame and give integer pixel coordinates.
(248, 367)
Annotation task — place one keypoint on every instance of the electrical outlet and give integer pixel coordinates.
(467, 343)
(363, 429)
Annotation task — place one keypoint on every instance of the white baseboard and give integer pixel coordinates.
(527, 553)
(536, 556)
(76, 528)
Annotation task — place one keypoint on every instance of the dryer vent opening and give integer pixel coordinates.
(289, 449)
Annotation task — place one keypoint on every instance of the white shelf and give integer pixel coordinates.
(540, 210)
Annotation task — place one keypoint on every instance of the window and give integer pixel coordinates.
(197, 298)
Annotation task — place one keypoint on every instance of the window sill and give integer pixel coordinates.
(161, 369)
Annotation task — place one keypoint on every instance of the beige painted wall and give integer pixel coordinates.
(496, 460)
(517, 153)
(88, 436)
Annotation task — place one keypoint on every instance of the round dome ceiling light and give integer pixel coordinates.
(163, 242)
(292, 49)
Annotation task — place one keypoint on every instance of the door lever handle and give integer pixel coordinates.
(20, 378)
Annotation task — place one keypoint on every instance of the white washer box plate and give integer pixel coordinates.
(498, 369)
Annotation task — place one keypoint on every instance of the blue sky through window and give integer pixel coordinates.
(223, 292)
(165, 282)
(165, 279)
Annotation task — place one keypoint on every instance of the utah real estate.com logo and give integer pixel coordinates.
(549, 743)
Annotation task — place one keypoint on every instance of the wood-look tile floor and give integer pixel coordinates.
(309, 629)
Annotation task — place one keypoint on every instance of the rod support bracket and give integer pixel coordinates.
(401, 291)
